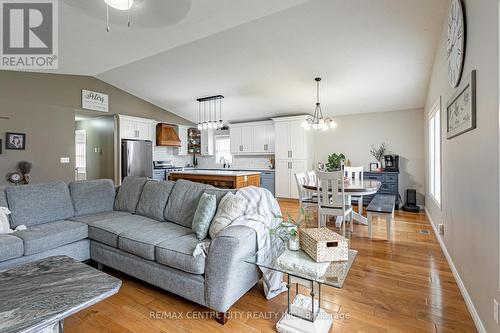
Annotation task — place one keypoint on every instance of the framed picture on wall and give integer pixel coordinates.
(461, 109)
(15, 141)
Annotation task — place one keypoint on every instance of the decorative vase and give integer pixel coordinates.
(379, 166)
(294, 243)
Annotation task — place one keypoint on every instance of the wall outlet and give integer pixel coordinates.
(441, 229)
(64, 160)
(495, 311)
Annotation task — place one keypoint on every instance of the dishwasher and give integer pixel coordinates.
(267, 180)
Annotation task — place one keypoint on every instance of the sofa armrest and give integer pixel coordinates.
(227, 276)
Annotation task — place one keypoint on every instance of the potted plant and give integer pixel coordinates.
(378, 152)
(334, 162)
(288, 230)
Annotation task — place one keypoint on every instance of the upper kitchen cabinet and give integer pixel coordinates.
(292, 141)
(182, 131)
(207, 142)
(255, 138)
(135, 128)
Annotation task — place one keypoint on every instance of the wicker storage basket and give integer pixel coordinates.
(323, 245)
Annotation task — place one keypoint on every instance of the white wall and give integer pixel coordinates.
(402, 131)
(470, 176)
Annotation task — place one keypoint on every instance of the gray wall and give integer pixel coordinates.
(402, 131)
(470, 174)
(100, 134)
(43, 106)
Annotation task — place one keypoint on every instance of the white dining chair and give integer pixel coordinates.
(331, 198)
(311, 175)
(306, 200)
(355, 174)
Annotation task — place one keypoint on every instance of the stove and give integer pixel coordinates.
(162, 169)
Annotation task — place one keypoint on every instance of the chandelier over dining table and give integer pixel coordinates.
(317, 121)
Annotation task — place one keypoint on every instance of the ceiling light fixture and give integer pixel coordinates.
(208, 118)
(120, 5)
(317, 121)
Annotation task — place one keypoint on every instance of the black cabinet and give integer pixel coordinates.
(390, 184)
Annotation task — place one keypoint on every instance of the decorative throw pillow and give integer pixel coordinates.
(230, 208)
(205, 211)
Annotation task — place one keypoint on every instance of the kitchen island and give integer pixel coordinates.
(219, 178)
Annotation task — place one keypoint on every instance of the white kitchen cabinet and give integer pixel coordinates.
(293, 150)
(285, 170)
(235, 140)
(255, 138)
(207, 142)
(182, 132)
(135, 128)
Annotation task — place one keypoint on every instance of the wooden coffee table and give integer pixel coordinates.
(38, 296)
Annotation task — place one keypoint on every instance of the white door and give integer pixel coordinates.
(235, 137)
(247, 139)
(143, 130)
(282, 175)
(269, 148)
(183, 136)
(259, 139)
(282, 139)
(298, 140)
(296, 167)
(127, 129)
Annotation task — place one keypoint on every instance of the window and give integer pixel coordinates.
(435, 152)
(80, 155)
(223, 149)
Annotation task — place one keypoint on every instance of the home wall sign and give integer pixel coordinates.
(461, 109)
(96, 101)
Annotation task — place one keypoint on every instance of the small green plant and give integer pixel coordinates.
(334, 162)
(288, 227)
(378, 151)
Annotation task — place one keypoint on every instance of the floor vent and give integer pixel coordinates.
(424, 231)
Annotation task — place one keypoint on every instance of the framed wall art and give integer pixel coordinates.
(15, 141)
(461, 109)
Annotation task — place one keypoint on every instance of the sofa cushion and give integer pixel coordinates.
(219, 193)
(178, 253)
(204, 214)
(230, 208)
(91, 218)
(107, 231)
(36, 204)
(154, 198)
(92, 196)
(183, 201)
(10, 247)
(129, 194)
(47, 236)
(141, 241)
(3, 198)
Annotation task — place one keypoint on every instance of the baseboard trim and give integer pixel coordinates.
(468, 301)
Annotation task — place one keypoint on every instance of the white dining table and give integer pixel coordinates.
(352, 188)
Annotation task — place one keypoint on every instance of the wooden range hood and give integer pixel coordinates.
(166, 135)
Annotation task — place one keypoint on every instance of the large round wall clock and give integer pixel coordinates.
(455, 43)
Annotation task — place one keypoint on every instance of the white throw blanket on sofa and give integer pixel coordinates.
(260, 216)
(4, 222)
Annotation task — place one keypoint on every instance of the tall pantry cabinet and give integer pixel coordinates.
(293, 153)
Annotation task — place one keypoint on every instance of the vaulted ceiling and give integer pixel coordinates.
(261, 55)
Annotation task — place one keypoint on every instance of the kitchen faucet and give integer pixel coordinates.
(224, 162)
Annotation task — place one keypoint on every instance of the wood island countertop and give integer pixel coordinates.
(219, 178)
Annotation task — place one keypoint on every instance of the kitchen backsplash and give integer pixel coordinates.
(170, 154)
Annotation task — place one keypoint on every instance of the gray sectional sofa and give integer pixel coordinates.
(142, 229)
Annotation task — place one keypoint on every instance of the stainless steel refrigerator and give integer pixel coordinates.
(137, 158)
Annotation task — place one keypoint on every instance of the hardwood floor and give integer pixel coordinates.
(400, 286)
